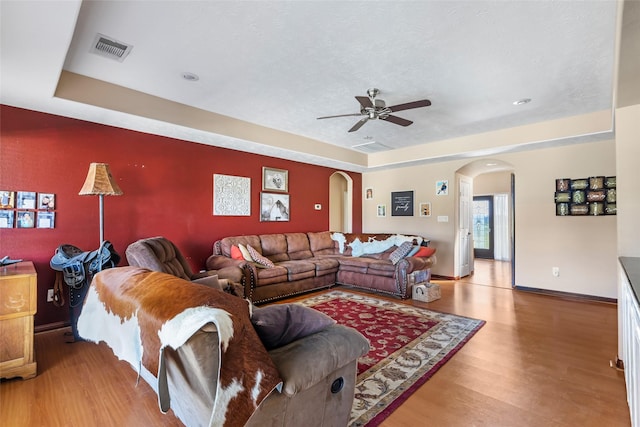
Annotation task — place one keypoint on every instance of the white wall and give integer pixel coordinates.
(584, 248)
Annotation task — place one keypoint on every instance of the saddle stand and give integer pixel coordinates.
(78, 268)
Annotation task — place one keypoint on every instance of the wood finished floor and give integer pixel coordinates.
(538, 361)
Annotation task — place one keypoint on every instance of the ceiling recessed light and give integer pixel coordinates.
(522, 101)
(190, 77)
(492, 164)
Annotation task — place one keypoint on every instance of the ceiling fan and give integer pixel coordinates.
(372, 109)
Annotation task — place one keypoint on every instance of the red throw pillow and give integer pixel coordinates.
(425, 251)
(236, 253)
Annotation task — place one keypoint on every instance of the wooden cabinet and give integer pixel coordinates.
(629, 335)
(17, 307)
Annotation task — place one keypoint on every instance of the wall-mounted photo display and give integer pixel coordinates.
(402, 203)
(593, 196)
(6, 218)
(381, 210)
(23, 209)
(275, 179)
(274, 207)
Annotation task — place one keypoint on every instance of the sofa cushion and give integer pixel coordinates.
(325, 265)
(381, 268)
(280, 324)
(258, 258)
(298, 269)
(401, 252)
(322, 243)
(245, 252)
(274, 247)
(268, 276)
(236, 253)
(425, 251)
(298, 246)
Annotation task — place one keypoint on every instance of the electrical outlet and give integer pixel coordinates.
(555, 271)
(50, 295)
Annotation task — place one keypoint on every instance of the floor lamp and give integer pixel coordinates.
(99, 182)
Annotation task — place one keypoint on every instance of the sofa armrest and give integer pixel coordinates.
(413, 263)
(306, 361)
(218, 262)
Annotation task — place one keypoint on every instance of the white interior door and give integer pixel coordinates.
(464, 227)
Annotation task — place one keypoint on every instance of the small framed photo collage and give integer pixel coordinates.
(27, 209)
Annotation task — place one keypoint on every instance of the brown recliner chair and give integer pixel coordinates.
(160, 254)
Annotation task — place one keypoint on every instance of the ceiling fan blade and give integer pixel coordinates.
(365, 101)
(359, 124)
(397, 120)
(410, 105)
(340, 115)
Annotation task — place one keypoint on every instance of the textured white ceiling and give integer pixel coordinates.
(283, 64)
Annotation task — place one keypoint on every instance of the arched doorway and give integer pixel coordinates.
(489, 233)
(340, 202)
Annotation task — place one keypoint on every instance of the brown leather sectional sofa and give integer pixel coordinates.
(314, 260)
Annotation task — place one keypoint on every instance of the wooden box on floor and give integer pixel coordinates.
(426, 292)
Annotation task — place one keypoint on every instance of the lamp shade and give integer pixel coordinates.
(100, 182)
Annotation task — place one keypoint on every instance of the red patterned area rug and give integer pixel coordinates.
(408, 345)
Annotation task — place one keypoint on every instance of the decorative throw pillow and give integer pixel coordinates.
(235, 253)
(425, 251)
(245, 252)
(278, 325)
(401, 252)
(255, 255)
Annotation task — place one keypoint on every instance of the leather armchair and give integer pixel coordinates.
(160, 254)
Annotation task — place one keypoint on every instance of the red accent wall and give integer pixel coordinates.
(167, 185)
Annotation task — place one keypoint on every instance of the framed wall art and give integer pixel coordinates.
(381, 210)
(402, 203)
(26, 200)
(275, 179)
(442, 187)
(45, 219)
(25, 219)
(592, 196)
(7, 199)
(274, 207)
(6, 218)
(425, 209)
(231, 195)
(368, 193)
(46, 201)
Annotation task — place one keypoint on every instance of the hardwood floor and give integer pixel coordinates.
(538, 361)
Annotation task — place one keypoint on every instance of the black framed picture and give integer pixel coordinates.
(402, 203)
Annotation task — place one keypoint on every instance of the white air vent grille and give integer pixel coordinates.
(371, 147)
(110, 48)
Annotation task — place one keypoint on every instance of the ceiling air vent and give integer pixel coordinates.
(371, 147)
(110, 48)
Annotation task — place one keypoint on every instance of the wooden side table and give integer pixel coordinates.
(18, 284)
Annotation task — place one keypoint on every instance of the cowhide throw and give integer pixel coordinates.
(138, 313)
